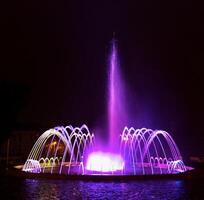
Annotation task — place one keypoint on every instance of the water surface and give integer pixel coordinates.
(12, 188)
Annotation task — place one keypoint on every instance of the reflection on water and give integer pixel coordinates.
(64, 189)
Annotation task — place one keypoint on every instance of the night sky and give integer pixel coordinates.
(54, 65)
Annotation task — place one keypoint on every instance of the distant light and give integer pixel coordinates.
(104, 162)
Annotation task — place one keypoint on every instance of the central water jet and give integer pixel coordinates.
(116, 110)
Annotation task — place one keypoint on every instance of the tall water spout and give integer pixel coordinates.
(116, 110)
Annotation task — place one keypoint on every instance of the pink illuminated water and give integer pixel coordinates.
(109, 162)
(116, 110)
(104, 162)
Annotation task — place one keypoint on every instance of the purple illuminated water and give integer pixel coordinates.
(116, 107)
(104, 162)
(32, 189)
(128, 151)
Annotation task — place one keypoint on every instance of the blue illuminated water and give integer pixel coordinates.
(12, 188)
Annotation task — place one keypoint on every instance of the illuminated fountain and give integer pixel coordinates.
(129, 151)
(60, 150)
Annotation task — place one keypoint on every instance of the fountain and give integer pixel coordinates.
(60, 150)
(129, 151)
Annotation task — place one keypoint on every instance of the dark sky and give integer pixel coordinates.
(54, 64)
